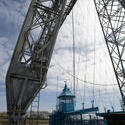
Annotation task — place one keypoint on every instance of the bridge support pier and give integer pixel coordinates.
(16, 118)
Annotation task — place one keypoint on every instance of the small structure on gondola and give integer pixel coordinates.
(67, 115)
(66, 100)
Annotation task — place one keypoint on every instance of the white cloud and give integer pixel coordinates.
(5, 53)
(85, 19)
(85, 33)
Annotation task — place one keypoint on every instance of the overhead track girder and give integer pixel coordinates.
(32, 55)
(111, 15)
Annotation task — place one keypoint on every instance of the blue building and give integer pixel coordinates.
(66, 100)
(67, 115)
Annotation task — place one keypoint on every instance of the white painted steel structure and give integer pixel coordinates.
(32, 55)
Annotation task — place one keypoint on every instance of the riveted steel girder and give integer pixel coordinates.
(32, 55)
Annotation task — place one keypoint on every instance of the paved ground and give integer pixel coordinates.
(42, 122)
(27, 124)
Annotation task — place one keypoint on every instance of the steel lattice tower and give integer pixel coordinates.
(32, 55)
(112, 19)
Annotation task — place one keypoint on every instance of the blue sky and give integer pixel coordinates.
(87, 30)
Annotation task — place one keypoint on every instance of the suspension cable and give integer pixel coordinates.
(84, 81)
(94, 58)
(73, 35)
(78, 66)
